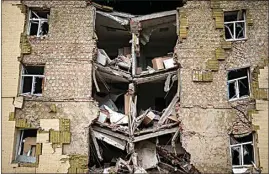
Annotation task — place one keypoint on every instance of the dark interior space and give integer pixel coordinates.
(247, 149)
(33, 28)
(37, 13)
(236, 140)
(27, 84)
(141, 7)
(242, 84)
(113, 97)
(109, 153)
(27, 133)
(152, 95)
(162, 41)
(237, 73)
(38, 85)
(27, 81)
(35, 70)
(111, 35)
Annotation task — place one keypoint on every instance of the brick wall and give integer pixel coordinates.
(261, 120)
(206, 114)
(66, 53)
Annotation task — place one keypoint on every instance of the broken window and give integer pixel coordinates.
(32, 80)
(38, 22)
(238, 83)
(235, 25)
(26, 146)
(242, 150)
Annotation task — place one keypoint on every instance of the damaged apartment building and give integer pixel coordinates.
(135, 86)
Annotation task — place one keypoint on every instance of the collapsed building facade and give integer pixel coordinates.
(89, 87)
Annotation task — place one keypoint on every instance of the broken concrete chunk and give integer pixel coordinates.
(168, 63)
(150, 70)
(157, 117)
(146, 154)
(109, 103)
(110, 140)
(140, 170)
(173, 118)
(116, 118)
(109, 170)
(158, 62)
(148, 118)
(102, 117)
(127, 98)
(18, 102)
(102, 57)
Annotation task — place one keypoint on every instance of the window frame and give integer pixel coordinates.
(33, 82)
(32, 20)
(234, 27)
(242, 151)
(18, 148)
(236, 81)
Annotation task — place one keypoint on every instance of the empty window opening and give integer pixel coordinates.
(38, 22)
(32, 80)
(242, 150)
(26, 146)
(235, 25)
(145, 7)
(152, 95)
(238, 83)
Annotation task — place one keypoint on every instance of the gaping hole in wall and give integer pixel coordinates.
(110, 97)
(32, 80)
(108, 153)
(157, 41)
(152, 96)
(150, 49)
(113, 40)
(38, 22)
(144, 7)
(238, 83)
(242, 150)
(135, 84)
(26, 146)
(235, 24)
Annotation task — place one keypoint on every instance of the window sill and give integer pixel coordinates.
(234, 40)
(34, 37)
(238, 99)
(30, 95)
(241, 166)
